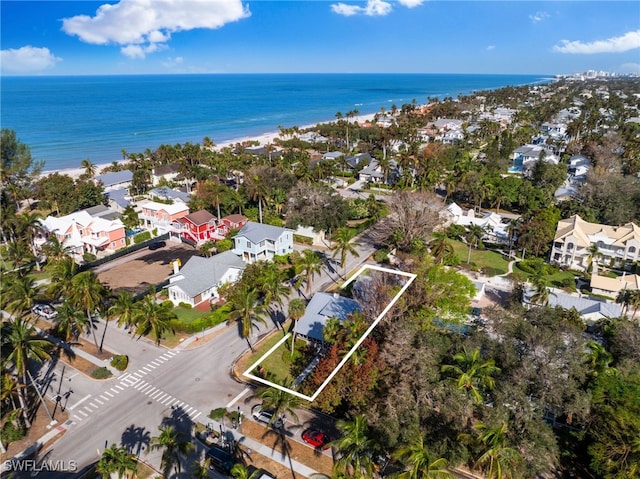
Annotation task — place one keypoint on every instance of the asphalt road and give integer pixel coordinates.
(160, 385)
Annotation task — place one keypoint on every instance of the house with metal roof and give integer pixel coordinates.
(260, 242)
(589, 308)
(321, 308)
(197, 282)
(115, 180)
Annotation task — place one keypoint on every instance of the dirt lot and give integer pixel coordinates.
(139, 270)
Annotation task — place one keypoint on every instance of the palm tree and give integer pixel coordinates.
(246, 309)
(471, 374)
(29, 224)
(116, 459)
(21, 294)
(473, 237)
(624, 298)
(542, 293)
(271, 285)
(440, 247)
(88, 294)
(500, 460)
(419, 462)
(593, 255)
(24, 345)
(62, 272)
(89, 168)
(70, 321)
(279, 401)
(54, 249)
(124, 308)
(200, 470)
(307, 265)
(343, 245)
(174, 444)
(154, 318)
(240, 471)
(255, 187)
(355, 449)
(598, 359)
(296, 310)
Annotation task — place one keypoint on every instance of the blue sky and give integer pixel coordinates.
(387, 36)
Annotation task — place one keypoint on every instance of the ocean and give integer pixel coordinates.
(65, 120)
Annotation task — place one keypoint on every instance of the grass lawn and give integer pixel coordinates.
(278, 361)
(189, 315)
(489, 262)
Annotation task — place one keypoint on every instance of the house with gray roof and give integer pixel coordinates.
(260, 242)
(591, 309)
(169, 194)
(321, 308)
(115, 180)
(197, 282)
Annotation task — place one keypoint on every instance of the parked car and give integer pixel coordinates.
(157, 245)
(220, 459)
(266, 416)
(315, 438)
(45, 310)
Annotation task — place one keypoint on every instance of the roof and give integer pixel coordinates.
(257, 232)
(200, 217)
(586, 306)
(167, 193)
(166, 169)
(320, 309)
(118, 196)
(615, 285)
(235, 218)
(115, 178)
(171, 209)
(200, 274)
(587, 233)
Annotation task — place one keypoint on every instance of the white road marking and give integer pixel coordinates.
(168, 400)
(146, 369)
(150, 391)
(98, 401)
(88, 409)
(144, 373)
(194, 417)
(238, 397)
(119, 387)
(83, 413)
(156, 394)
(108, 394)
(71, 408)
(160, 398)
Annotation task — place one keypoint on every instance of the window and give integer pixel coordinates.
(113, 244)
(248, 244)
(600, 244)
(569, 246)
(632, 249)
(261, 243)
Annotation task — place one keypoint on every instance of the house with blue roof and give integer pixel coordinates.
(321, 308)
(260, 242)
(116, 180)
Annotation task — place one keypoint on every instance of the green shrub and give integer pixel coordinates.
(381, 256)
(89, 257)
(302, 239)
(142, 237)
(167, 304)
(218, 413)
(456, 232)
(224, 245)
(101, 373)
(120, 362)
(11, 433)
(184, 305)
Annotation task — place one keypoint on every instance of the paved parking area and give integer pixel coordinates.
(137, 271)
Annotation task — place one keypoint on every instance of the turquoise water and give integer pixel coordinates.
(65, 120)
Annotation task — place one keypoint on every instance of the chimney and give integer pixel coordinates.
(176, 266)
(336, 295)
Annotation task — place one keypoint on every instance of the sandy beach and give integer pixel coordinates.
(264, 139)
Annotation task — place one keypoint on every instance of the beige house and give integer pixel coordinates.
(618, 246)
(613, 286)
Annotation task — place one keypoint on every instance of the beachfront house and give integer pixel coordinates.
(321, 308)
(617, 246)
(116, 180)
(606, 286)
(161, 216)
(165, 174)
(197, 282)
(83, 233)
(260, 242)
(590, 309)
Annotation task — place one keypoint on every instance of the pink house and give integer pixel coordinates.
(161, 216)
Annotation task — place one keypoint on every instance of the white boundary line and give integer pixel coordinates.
(363, 268)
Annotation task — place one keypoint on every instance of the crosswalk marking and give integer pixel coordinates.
(119, 387)
(144, 373)
(98, 401)
(167, 400)
(83, 413)
(160, 398)
(108, 394)
(146, 369)
(194, 417)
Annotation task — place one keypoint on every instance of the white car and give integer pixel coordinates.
(266, 416)
(45, 310)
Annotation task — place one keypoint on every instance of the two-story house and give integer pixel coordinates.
(83, 233)
(618, 246)
(258, 242)
(161, 216)
(198, 227)
(525, 156)
(321, 308)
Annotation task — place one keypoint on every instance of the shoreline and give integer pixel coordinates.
(263, 139)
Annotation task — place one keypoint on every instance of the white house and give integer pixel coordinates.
(590, 309)
(612, 286)
(321, 308)
(496, 231)
(525, 156)
(197, 282)
(258, 242)
(116, 180)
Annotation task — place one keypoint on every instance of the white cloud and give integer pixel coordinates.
(144, 26)
(626, 42)
(172, 62)
(538, 17)
(411, 3)
(491, 47)
(373, 8)
(27, 59)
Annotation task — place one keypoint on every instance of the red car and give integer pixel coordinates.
(315, 438)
